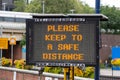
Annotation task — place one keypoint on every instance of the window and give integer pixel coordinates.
(19, 20)
(1, 19)
(12, 19)
(9, 19)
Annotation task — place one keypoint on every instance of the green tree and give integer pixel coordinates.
(58, 6)
(87, 9)
(20, 5)
(34, 7)
(23, 41)
(112, 25)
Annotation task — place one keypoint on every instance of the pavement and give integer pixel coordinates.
(110, 72)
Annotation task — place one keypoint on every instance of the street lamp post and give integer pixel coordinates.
(4, 6)
(12, 43)
(72, 11)
(97, 67)
(97, 6)
(43, 6)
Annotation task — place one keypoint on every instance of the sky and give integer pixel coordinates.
(91, 3)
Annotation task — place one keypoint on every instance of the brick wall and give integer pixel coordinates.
(24, 76)
(17, 52)
(108, 40)
(7, 73)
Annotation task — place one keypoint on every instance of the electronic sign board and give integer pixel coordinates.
(58, 41)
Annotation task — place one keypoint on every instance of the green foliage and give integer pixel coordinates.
(52, 6)
(87, 9)
(23, 41)
(112, 25)
(21, 64)
(2, 79)
(78, 72)
(56, 70)
(58, 6)
(20, 5)
(6, 62)
(115, 62)
(102, 65)
(89, 72)
(34, 6)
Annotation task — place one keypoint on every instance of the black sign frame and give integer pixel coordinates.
(29, 39)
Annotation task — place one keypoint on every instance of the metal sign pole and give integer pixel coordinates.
(72, 73)
(97, 67)
(66, 73)
(0, 57)
(12, 43)
(97, 6)
(43, 4)
(12, 53)
(40, 71)
(97, 70)
(1, 53)
(1, 48)
(112, 72)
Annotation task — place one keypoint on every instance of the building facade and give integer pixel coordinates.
(108, 41)
(13, 24)
(6, 5)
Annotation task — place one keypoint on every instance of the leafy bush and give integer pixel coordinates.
(57, 70)
(89, 72)
(78, 72)
(21, 64)
(6, 62)
(115, 62)
(102, 65)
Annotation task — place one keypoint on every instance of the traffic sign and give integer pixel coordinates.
(3, 43)
(12, 41)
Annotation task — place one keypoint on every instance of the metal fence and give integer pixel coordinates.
(109, 74)
(109, 78)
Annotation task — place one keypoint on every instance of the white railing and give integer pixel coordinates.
(47, 75)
